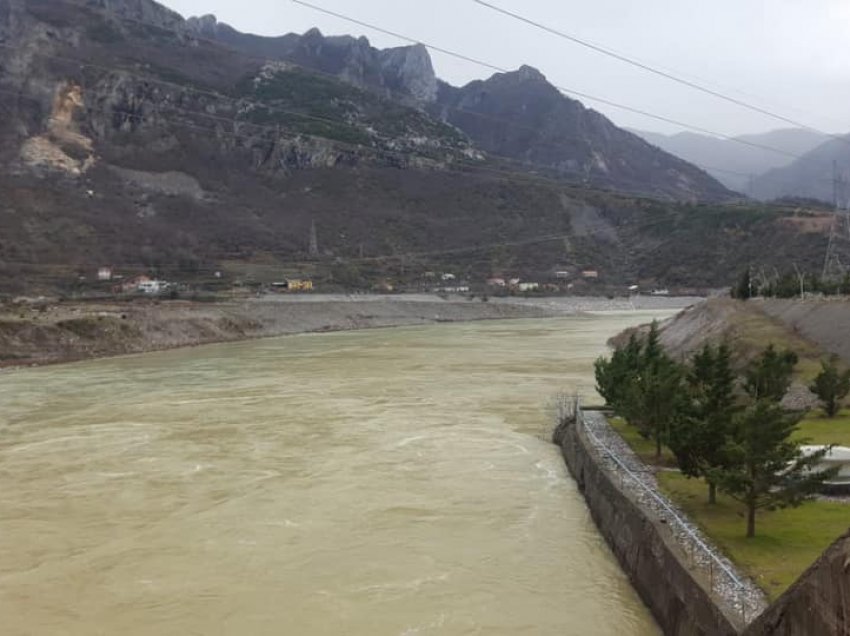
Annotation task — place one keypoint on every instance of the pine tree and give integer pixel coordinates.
(613, 376)
(698, 436)
(651, 400)
(831, 386)
(769, 377)
(743, 288)
(765, 468)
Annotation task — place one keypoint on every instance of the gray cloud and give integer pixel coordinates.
(785, 55)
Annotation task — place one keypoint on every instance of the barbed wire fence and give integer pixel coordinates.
(740, 595)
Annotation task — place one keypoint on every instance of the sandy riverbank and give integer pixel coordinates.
(63, 332)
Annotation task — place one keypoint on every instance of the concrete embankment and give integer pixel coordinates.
(43, 332)
(643, 544)
(817, 604)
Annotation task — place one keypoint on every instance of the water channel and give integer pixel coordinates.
(394, 482)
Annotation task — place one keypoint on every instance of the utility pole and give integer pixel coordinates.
(314, 240)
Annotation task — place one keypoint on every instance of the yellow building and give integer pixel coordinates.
(299, 285)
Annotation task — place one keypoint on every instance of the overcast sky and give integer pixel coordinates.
(789, 56)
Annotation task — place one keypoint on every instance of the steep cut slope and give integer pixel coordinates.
(522, 116)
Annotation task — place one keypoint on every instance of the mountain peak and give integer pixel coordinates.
(203, 25)
(527, 73)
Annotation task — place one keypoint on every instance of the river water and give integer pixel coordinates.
(392, 482)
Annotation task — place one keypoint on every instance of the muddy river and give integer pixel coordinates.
(392, 482)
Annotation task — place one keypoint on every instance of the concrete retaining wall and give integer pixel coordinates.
(818, 603)
(654, 564)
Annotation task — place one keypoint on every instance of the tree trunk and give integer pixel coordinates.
(751, 520)
(657, 449)
(831, 408)
(712, 493)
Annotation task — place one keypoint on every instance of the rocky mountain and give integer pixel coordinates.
(128, 139)
(810, 176)
(735, 164)
(515, 115)
(522, 116)
(405, 71)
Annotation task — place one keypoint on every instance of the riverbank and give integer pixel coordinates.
(53, 332)
(683, 581)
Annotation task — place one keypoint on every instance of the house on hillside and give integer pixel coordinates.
(131, 285)
(496, 282)
(104, 274)
(152, 287)
(294, 285)
(590, 274)
(526, 287)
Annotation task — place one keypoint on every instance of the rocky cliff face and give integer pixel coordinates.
(404, 72)
(522, 116)
(133, 142)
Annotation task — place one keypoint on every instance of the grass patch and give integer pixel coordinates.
(826, 430)
(643, 447)
(786, 542)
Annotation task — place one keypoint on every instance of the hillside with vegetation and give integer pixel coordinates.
(131, 141)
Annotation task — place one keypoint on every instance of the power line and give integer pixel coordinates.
(570, 91)
(526, 165)
(85, 64)
(651, 69)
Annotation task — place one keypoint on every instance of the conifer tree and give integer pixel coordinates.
(698, 436)
(831, 386)
(765, 468)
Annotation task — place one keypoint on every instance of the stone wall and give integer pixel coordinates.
(656, 567)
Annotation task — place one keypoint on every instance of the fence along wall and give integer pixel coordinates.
(650, 558)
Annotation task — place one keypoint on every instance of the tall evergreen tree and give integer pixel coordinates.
(769, 376)
(698, 436)
(744, 287)
(613, 376)
(831, 386)
(652, 398)
(765, 468)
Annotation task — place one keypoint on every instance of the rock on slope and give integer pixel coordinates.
(518, 115)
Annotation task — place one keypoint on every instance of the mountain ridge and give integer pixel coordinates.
(733, 163)
(148, 148)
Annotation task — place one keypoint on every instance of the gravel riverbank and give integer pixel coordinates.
(43, 332)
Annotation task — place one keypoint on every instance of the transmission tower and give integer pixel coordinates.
(839, 233)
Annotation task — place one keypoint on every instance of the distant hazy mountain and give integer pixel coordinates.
(721, 158)
(811, 176)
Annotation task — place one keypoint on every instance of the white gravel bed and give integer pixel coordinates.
(747, 600)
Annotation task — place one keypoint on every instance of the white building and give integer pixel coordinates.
(151, 286)
(104, 273)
